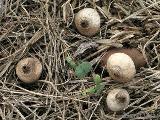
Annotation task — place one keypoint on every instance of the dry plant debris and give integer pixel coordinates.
(45, 29)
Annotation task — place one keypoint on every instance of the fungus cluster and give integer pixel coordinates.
(121, 64)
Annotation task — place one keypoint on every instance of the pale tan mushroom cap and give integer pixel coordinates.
(87, 21)
(29, 70)
(114, 104)
(121, 67)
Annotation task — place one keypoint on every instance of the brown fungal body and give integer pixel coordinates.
(87, 21)
(135, 54)
(29, 70)
(117, 99)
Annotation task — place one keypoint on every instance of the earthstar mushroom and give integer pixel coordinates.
(87, 21)
(121, 67)
(134, 53)
(29, 69)
(117, 99)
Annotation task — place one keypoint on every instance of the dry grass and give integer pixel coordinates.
(45, 29)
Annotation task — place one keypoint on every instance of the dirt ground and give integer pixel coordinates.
(45, 29)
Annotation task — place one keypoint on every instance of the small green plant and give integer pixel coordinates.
(71, 62)
(81, 70)
(97, 89)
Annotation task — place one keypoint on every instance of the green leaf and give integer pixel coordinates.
(97, 79)
(83, 69)
(71, 62)
(94, 90)
(99, 88)
(90, 90)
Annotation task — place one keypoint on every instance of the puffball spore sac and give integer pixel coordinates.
(29, 69)
(134, 53)
(87, 21)
(117, 99)
(121, 67)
